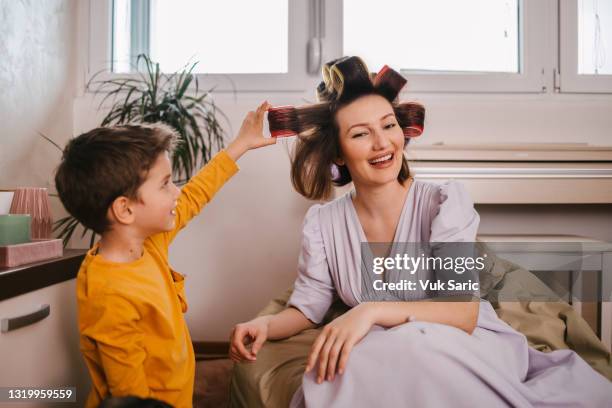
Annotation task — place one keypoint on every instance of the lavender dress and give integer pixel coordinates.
(427, 364)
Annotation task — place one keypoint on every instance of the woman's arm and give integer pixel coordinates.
(331, 349)
(285, 324)
(288, 323)
(460, 314)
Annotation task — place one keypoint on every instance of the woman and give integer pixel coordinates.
(416, 352)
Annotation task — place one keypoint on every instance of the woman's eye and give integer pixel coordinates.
(390, 125)
(359, 134)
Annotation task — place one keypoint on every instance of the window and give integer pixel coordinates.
(594, 37)
(240, 45)
(436, 35)
(177, 32)
(586, 46)
(451, 46)
(505, 46)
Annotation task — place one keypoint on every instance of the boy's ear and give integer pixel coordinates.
(121, 211)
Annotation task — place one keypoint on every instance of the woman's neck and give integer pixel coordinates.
(380, 201)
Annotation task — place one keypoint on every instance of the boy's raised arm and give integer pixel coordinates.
(201, 189)
(203, 186)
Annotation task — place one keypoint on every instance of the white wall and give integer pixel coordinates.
(37, 87)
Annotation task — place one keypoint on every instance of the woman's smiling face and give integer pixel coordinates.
(371, 140)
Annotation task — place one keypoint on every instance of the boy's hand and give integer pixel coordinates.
(254, 332)
(250, 135)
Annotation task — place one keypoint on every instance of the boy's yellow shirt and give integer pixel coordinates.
(133, 335)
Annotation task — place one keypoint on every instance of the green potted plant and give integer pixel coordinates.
(152, 96)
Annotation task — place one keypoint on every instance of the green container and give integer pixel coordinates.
(14, 229)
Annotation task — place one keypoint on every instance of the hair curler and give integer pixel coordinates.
(283, 121)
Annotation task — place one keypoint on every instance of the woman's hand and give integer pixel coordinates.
(332, 347)
(250, 135)
(254, 332)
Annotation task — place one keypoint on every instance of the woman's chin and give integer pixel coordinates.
(382, 179)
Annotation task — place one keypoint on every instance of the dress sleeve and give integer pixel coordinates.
(453, 235)
(456, 219)
(313, 291)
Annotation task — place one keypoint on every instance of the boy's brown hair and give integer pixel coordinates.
(105, 163)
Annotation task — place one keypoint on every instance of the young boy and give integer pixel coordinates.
(118, 182)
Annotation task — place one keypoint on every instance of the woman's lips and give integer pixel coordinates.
(382, 162)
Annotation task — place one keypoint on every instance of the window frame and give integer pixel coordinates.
(570, 81)
(544, 39)
(530, 79)
(296, 80)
